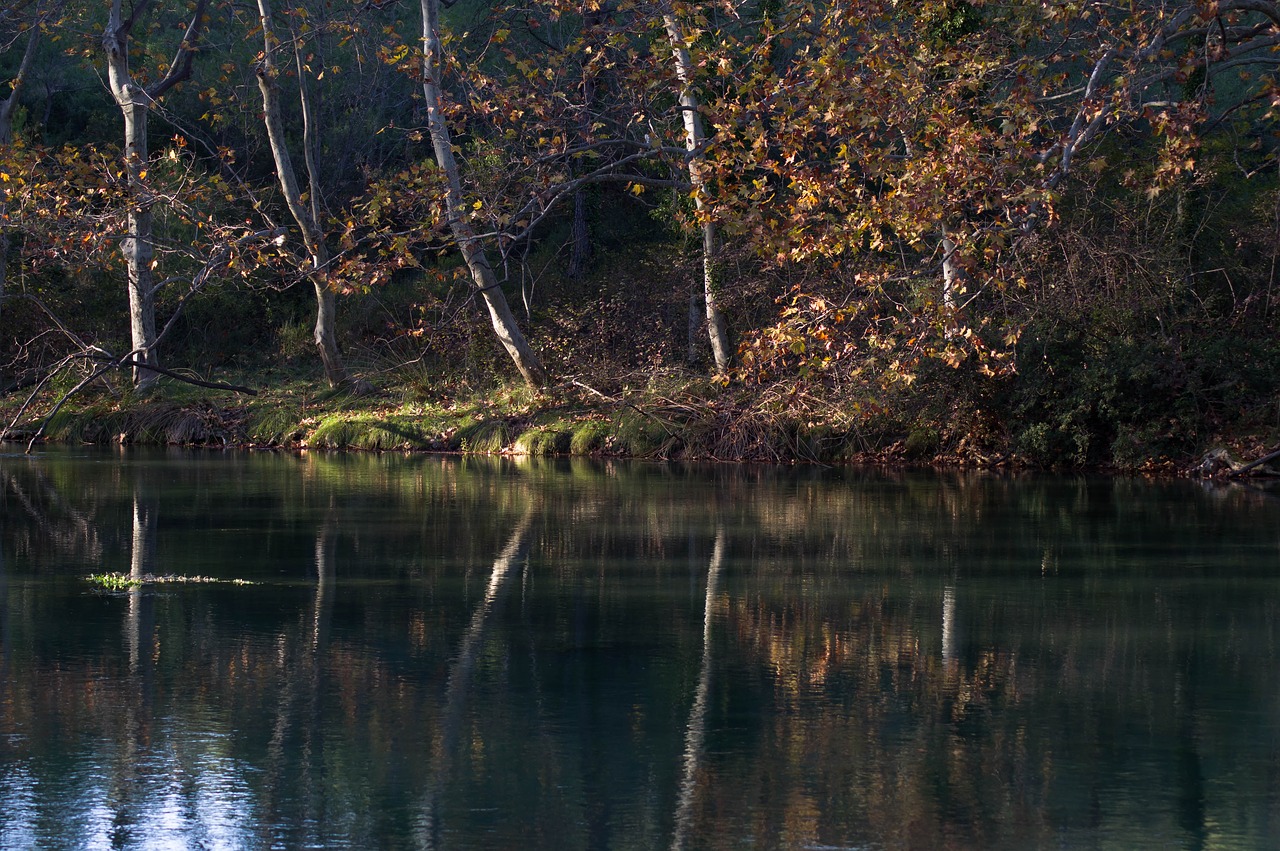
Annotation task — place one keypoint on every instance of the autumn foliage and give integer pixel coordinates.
(886, 183)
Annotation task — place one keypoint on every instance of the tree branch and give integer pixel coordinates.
(180, 68)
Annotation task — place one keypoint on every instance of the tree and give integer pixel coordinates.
(696, 140)
(307, 217)
(135, 100)
(467, 240)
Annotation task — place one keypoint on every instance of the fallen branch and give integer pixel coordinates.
(198, 382)
(1253, 465)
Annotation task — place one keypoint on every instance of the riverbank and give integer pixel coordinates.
(673, 415)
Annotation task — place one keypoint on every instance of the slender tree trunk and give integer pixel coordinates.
(137, 247)
(952, 273)
(6, 138)
(134, 101)
(4, 268)
(325, 334)
(695, 140)
(580, 237)
(482, 276)
(8, 105)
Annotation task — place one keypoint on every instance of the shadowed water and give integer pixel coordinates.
(461, 653)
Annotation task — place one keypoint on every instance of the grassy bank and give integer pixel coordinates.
(669, 416)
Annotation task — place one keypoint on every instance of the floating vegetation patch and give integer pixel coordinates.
(125, 582)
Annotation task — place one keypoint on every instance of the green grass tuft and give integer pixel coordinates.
(544, 440)
(589, 437)
(483, 437)
(644, 436)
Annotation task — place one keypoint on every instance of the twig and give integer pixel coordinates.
(578, 383)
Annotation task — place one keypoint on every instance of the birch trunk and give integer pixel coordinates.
(695, 137)
(325, 333)
(134, 101)
(482, 276)
(952, 273)
(137, 246)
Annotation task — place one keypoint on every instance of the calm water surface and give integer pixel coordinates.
(450, 653)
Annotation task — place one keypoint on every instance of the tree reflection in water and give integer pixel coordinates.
(893, 660)
(696, 733)
(446, 744)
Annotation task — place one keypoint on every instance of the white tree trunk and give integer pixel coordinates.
(482, 276)
(325, 334)
(952, 273)
(695, 140)
(134, 101)
(139, 254)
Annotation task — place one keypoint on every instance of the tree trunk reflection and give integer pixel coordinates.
(696, 732)
(460, 676)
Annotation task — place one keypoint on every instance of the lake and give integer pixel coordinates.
(444, 652)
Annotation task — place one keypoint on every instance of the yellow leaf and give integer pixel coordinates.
(637, 188)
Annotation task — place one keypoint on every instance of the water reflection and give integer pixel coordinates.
(696, 733)
(461, 653)
(445, 745)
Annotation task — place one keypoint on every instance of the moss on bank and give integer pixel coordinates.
(678, 421)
